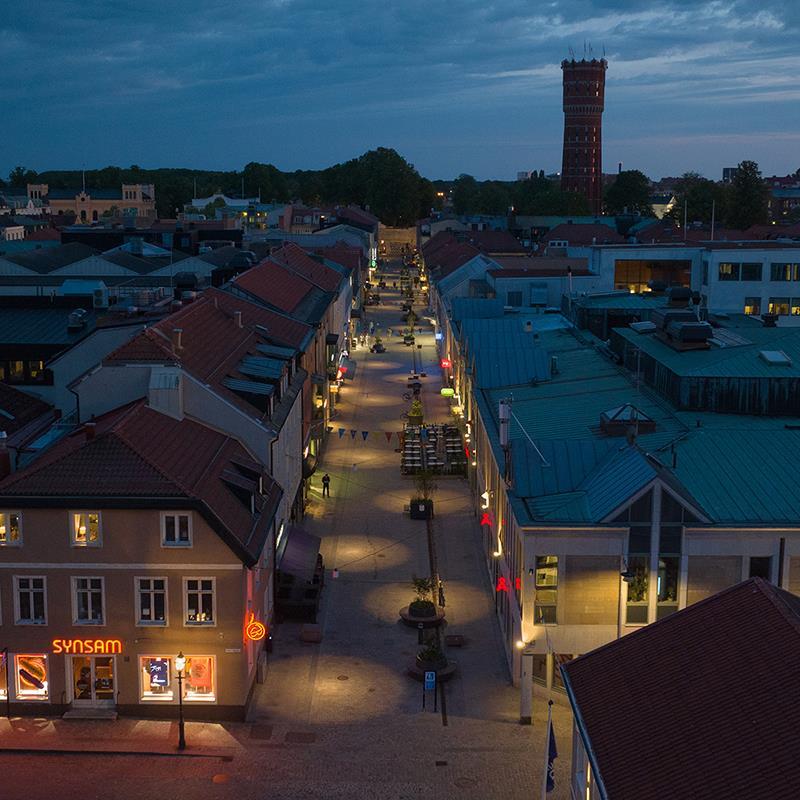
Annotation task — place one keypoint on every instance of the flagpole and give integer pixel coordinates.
(547, 749)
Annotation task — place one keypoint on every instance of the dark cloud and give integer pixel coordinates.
(473, 86)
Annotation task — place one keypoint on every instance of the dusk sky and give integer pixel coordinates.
(460, 87)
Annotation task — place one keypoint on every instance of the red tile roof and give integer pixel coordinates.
(140, 454)
(347, 256)
(297, 259)
(702, 704)
(584, 234)
(212, 345)
(276, 284)
(20, 411)
(492, 242)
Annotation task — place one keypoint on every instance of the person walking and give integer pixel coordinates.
(326, 485)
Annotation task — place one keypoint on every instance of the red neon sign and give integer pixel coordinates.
(446, 363)
(502, 585)
(255, 630)
(486, 519)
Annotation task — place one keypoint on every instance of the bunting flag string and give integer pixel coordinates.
(388, 435)
(364, 435)
(353, 433)
(341, 432)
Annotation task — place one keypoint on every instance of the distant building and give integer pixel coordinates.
(729, 173)
(90, 205)
(584, 96)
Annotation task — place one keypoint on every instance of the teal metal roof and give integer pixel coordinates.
(743, 476)
(275, 351)
(475, 308)
(262, 367)
(621, 300)
(510, 366)
(739, 361)
(248, 387)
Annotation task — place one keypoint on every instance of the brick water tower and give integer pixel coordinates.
(582, 162)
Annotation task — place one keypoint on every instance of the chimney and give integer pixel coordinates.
(237, 318)
(90, 430)
(177, 333)
(5, 456)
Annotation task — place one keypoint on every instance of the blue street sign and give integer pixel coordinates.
(430, 681)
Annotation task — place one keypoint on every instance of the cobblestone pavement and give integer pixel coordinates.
(341, 719)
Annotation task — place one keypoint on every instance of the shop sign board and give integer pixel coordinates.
(159, 672)
(430, 681)
(103, 647)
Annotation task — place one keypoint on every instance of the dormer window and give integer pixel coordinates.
(85, 529)
(10, 529)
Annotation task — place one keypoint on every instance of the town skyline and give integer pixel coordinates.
(476, 93)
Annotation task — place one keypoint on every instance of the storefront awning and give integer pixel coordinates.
(317, 379)
(348, 369)
(299, 553)
(332, 338)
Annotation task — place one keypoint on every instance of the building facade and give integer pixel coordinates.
(90, 205)
(118, 552)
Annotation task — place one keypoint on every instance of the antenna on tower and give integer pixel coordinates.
(584, 48)
(571, 53)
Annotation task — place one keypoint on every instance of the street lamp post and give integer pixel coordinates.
(180, 665)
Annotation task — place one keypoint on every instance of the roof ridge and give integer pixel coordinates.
(775, 594)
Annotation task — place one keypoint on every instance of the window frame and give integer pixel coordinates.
(173, 677)
(35, 698)
(751, 264)
(187, 623)
(137, 610)
(75, 605)
(15, 579)
(774, 303)
(733, 275)
(545, 587)
(5, 520)
(72, 532)
(163, 524)
(199, 699)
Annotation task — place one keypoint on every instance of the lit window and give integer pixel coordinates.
(87, 601)
(156, 675)
(151, 601)
(728, 271)
(30, 600)
(752, 305)
(546, 590)
(85, 529)
(779, 305)
(198, 680)
(199, 601)
(176, 530)
(4, 670)
(30, 677)
(795, 310)
(10, 529)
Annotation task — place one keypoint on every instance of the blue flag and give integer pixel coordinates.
(552, 755)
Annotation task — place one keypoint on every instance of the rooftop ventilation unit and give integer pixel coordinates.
(775, 358)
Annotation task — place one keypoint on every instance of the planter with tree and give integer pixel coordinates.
(422, 502)
(415, 414)
(422, 610)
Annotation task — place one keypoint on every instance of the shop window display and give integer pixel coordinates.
(199, 678)
(156, 678)
(30, 676)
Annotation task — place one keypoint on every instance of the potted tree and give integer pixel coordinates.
(431, 658)
(422, 606)
(415, 413)
(422, 501)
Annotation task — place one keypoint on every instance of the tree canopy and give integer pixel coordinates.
(382, 179)
(630, 193)
(749, 198)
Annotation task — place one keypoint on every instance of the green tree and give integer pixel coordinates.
(466, 195)
(749, 198)
(703, 199)
(493, 198)
(630, 192)
(210, 210)
(20, 177)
